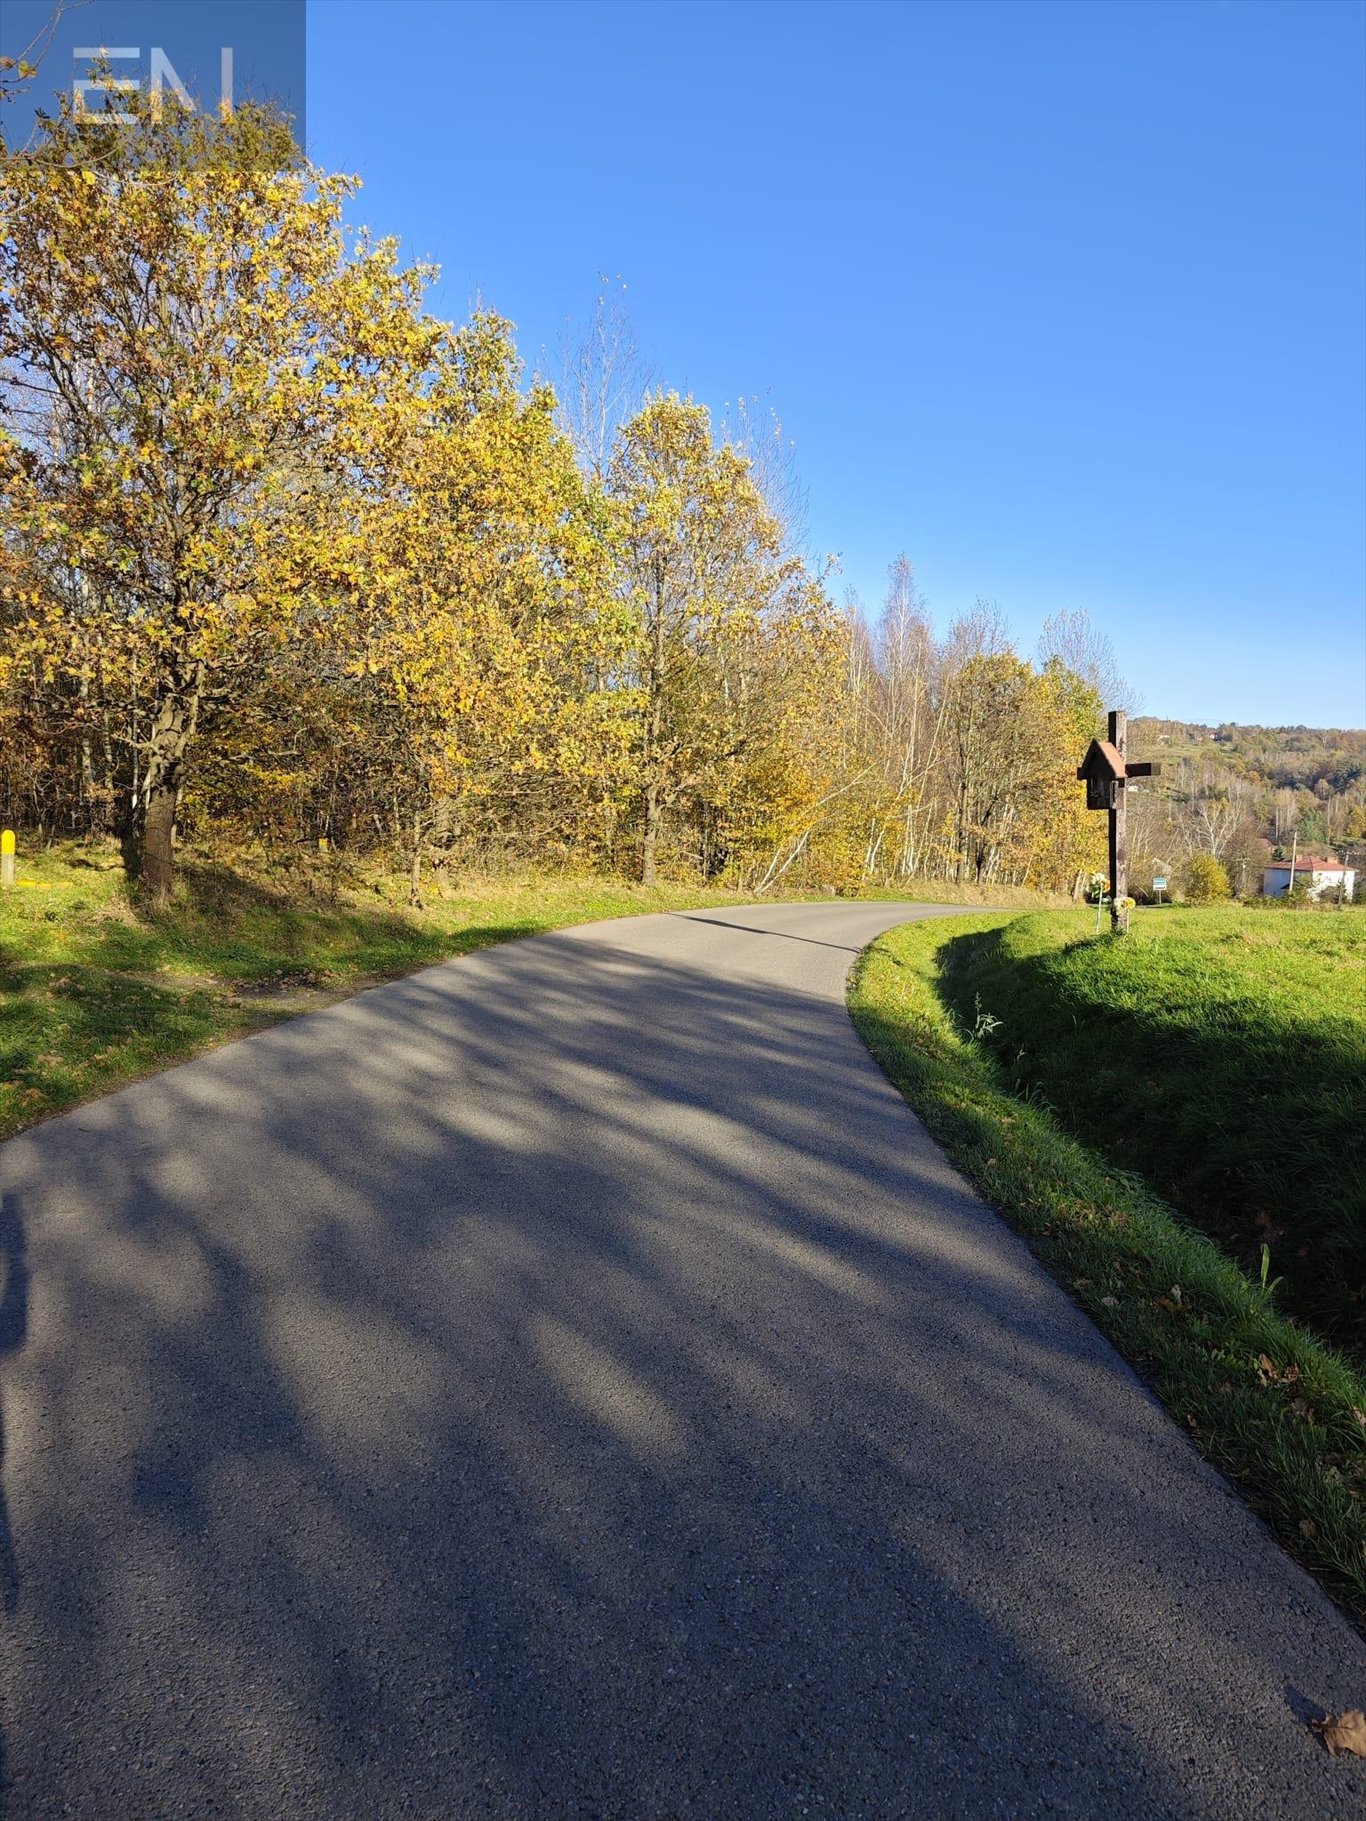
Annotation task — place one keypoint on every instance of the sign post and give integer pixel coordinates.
(1106, 772)
(7, 856)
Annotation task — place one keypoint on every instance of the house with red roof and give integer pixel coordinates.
(1324, 878)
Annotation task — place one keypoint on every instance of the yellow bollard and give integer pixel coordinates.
(7, 857)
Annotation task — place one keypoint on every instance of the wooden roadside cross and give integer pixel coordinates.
(1106, 771)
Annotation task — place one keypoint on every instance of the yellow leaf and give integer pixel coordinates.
(1343, 1733)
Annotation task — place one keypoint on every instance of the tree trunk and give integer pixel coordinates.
(173, 728)
(87, 789)
(647, 854)
(654, 732)
(415, 875)
(158, 833)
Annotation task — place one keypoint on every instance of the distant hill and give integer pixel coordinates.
(1244, 791)
(1283, 758)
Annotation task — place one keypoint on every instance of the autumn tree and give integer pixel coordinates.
(698, 560)
(1203, 880)
(603, 379)
(899, 720)
(1012, 738)
(783, 789)
(487, 642)
(198, 363)
(1073, 638)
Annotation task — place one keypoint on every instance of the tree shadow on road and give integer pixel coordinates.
(13, 1329)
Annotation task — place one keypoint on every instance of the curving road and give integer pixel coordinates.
(569, 1383)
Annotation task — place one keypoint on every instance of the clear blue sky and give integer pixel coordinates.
(1068, 301)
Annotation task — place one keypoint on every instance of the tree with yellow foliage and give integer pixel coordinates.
(487, 639)
(201, 367)
(1011, 734)
(698, 558)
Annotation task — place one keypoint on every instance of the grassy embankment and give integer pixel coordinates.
(95, 992)
(1218, 1057)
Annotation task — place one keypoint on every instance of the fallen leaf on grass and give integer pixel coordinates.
(1343, 1733)
(1308, 1527)
(1109, 1302)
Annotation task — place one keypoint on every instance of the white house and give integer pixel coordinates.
(1323, 877)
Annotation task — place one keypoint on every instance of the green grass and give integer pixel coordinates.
(1275, 1408)
(1221, 1054)
(94, 994)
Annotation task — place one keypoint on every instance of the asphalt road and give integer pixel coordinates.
(569, 1383)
